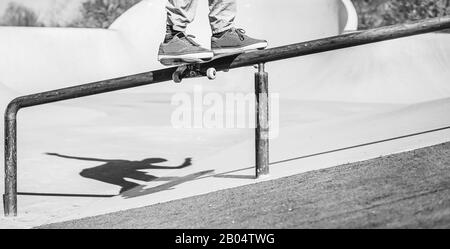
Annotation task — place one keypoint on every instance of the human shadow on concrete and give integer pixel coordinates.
(114, 171)
(141, 190)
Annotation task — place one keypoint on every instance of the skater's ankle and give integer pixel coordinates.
(220, 34)
(170, 33)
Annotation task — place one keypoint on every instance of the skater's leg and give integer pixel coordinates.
(226, 38)
(180, 13)
(178, 46)
(222, 14)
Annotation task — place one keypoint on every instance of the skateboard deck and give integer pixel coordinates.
(196, 67)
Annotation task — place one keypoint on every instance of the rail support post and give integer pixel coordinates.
(10, 196)
(262, 121)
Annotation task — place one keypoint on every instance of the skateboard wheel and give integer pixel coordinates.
(211, 73)
(176, 78)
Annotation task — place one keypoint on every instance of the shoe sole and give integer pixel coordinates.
(256, 46)
(195, 56)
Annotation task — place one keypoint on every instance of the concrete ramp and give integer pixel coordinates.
(408, 70)
(6, 94)
(61, 57)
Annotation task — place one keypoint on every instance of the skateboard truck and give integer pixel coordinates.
(191, 71)
(198, 68)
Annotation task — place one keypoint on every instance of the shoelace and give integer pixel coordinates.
(189, 38)
(241, 33)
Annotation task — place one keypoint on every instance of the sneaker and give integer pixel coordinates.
(234, 41)
(183, 47)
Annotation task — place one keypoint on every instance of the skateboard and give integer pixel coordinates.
(190, 68)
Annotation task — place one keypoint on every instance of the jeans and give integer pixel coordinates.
(182, 12)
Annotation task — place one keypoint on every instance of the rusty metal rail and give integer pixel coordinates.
(248, 59)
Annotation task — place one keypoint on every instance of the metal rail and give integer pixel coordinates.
(153, 77)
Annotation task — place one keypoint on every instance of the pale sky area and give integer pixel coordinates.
(60, 11)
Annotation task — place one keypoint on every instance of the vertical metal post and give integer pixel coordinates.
(262, 121)
(10, 196)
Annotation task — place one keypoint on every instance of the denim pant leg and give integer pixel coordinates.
(222, 14)
(180, 13)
